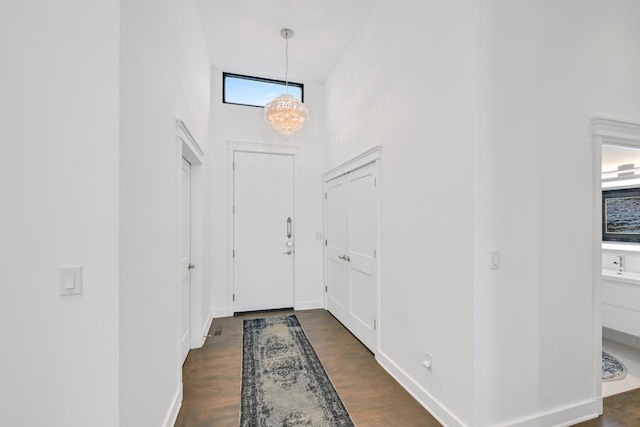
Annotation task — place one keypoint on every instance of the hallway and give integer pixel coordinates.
(212, 379)
(212, 376)
(486, 116)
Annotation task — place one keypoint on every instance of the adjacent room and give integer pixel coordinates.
(620, 261)
(431, 202)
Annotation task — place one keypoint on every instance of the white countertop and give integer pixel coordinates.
(620, 247)
(626, 277)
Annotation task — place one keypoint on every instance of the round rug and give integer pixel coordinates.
(612, 368)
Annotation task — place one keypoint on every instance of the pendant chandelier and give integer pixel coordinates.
(285, 113)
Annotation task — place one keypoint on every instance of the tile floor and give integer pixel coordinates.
(630, 358)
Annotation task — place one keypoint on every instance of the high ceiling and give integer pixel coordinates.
(243, 36)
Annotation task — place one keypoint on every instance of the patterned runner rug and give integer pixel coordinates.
(612, 368)
(283, 382)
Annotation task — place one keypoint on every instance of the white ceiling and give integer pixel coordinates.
(243, 36)
(613, 156)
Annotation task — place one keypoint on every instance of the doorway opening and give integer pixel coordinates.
(620, 275)
(617, 254)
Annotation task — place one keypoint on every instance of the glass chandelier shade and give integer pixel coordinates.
(285, 113)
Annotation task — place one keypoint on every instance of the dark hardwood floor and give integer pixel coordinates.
(212, 376)
(212, 380)
(620, 410)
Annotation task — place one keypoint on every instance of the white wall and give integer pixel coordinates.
(164, 75)
(499, 94)
(246, 124)
(59, 186)
(507, 316)
(546, 68)
(405, 83)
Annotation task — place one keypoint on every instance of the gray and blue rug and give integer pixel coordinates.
(612, 368)
(283, 382)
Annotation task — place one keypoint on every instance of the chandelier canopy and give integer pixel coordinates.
(285, 113)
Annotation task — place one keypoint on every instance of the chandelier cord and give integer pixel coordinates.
(286, 113)
(286, 68)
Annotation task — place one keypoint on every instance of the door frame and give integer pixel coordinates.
(260, 148)
(604, 131)
(181, 235)
(371, 156)
(188, 147)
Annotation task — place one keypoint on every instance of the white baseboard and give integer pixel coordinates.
(174, 409)
(435, 408)
(205, 329)
(221, 312)
(561, 417)
(309, 305)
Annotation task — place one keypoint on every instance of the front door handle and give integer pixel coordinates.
(287, 253)
(191, 266)
(344, 257)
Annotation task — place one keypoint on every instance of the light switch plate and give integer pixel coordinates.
(427, 362)
(495, 260)
(70, 280)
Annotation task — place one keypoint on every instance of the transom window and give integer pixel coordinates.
(256, 91)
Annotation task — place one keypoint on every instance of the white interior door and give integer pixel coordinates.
(362, 228)
(263, 231)
(336, 209)
(352, 239)
(185, 262)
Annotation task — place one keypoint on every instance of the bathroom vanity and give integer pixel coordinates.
(621, 301)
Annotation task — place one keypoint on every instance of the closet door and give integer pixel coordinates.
(362, 237)
(352, 238)
(336, 231)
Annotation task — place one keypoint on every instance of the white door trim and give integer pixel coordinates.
(185, 272)
(191, 149)
(257, 147)
(373, 155)
(610, 132)
(369, 156)
(188, 147)
(251, 147)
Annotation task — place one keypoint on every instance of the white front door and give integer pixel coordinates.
(352, 240)
(185, 262)
(263, 231)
